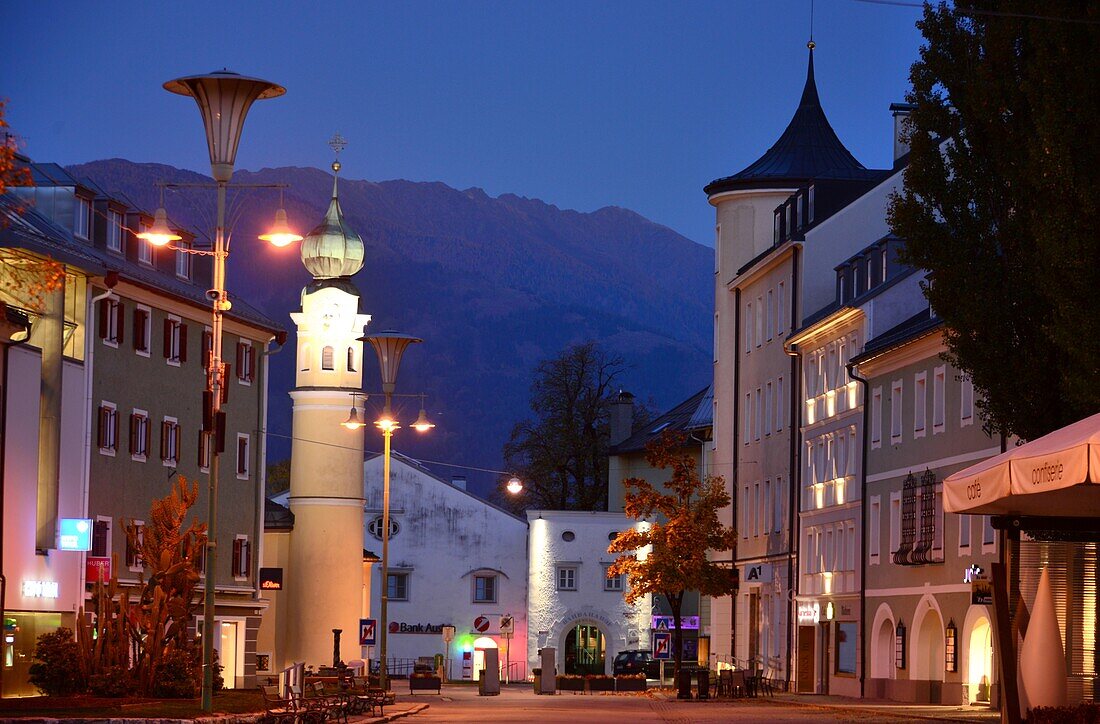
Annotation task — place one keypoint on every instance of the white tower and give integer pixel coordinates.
(325, 577)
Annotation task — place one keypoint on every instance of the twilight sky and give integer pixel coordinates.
(581, 104)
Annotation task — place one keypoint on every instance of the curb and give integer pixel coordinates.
(416, 709)
(900, 712)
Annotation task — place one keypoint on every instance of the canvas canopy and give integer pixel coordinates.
(1055, 475)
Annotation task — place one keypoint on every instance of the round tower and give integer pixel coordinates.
(325, 578)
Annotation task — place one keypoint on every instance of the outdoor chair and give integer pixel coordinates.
(277, 709)
(368, 697)
(307, 710)
(738, 685)
(335, 705)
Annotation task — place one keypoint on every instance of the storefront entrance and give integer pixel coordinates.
(21, 632)
(980, 662)
(585, 650)
(807, 636)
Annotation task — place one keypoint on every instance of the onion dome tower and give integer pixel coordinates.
(324, 587)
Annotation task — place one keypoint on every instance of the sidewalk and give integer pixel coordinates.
(892, 708)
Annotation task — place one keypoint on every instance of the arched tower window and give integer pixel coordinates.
(305, 361)
(326, 359)
(351, 359)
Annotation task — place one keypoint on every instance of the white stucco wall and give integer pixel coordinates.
(445, 537)
(552, 613)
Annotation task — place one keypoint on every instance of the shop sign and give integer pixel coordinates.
(666, 623)
(76, 534)
(97, 568)
(401, 627)
(809, 613)
(271, 579)
(981, 590)
(40, 589)
(760, 573)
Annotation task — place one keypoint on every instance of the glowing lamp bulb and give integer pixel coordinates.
(423, 424)
(281, 233)
(160, 233)
(515, 485)
(353, 422)
(386, 423)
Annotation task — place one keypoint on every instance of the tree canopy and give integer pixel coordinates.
(670, 555)
(998, 203)
(561, 452)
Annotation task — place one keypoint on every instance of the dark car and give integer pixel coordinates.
(636, 662)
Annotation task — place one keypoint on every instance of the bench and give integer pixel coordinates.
(277, 709)
(370, 697)
(424, 683)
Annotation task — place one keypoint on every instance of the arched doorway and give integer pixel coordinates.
(479, 654)
(585, 650)
(979, 674)
(928, 661)
(882, 652)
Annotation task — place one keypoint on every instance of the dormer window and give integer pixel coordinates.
(83, 217)
(183, 260)
(798, 211)
(790, 220)
(841, 291)
(810, 205)
(777, 227)
(114, 232)
(144, 250)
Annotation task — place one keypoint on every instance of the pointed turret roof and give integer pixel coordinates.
(808, 149)
(333, 249)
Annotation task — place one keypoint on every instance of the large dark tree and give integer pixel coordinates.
(561, 452)
(1000, 203)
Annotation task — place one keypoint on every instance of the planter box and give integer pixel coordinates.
(607, 684)
(624, 684)
(425, 683)
(570, 684)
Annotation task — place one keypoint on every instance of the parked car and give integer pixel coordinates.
(636, 662)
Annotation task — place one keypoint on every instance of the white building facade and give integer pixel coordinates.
(572, 605)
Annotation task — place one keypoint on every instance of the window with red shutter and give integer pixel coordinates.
(225, 379)
(120, 322)
(168, 338)
(182, 349)
(251, 363)
(104, 310)
(238, 546)
(108, 428)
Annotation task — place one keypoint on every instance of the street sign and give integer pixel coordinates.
(507, 624)
(367, 630)
(76, 534)
(661, 648)
(481, 624)
(448, 634)
(667, 623)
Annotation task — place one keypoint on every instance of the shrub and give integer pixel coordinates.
(1087, 713)
(180, 675)
(113, 682)
(56, 667)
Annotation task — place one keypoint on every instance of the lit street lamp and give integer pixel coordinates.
(224, 99)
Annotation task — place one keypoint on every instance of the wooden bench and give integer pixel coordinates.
(370, 697)
(277, 709)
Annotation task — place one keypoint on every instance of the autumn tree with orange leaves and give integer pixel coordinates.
(670, 555)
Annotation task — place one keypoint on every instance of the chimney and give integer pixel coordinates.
(900, 112)
(459, 481)
(622, 417)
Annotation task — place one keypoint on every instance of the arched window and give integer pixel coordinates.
(326, 359)
(351, 359)
(305, 361)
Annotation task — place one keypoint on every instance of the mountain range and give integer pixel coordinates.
(492, 285)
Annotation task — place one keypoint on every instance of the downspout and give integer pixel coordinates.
(261, 466)
(3, 458)
(794, 474)
(735, 478)
(863, 529)
(110, 280)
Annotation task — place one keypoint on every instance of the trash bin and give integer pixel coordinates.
(683, 685)
(704, 683)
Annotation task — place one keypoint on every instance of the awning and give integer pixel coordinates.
(1055, 475)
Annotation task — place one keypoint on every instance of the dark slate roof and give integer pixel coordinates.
(919, 325)
(277, 517)
(808, 149)
(688, 415)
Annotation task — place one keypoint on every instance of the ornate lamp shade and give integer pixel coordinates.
(390, 345)
(224, 98)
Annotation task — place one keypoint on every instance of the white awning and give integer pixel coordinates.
(1055, 475)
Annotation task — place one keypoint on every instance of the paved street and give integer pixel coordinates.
(519, 704)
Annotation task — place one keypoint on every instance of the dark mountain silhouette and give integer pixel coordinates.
(492, 285)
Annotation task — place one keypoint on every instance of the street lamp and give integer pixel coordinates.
(224, 99)
(515, 485)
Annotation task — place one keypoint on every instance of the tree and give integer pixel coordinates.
(11, 173)
(670, 555)
(278, 477)
(561, 454)
(999, 203)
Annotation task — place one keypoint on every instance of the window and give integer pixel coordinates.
(989, 535)
(112, 321)
(351, 359)
(568, 536)
(757, 416)
(108, 428)
(874, 532)
(82, 220)
(170, 441)
(748, 328)
(769, 323)
(790, 220)
(717, 248)
(768, 408)
(920, 405)
(139, 435)
(133, 547)
(766, 521)
(780, 311)
(204, 447)
(101, 538)
(183, 260)
(756, 509)
(777, 506)
(306, 350)
(327, 361)
(779, 406)
(144, 248)
(776, 227)
(114, 231)
(966, 408)
(895, 412)
(485, 589)
(851, 558)
(899, 646)
(870, 270)
(242, 456)
(745, 511)
(846, 633)
(613, 583)
(242, 557)
(397, 586)
(567, 578)
(143, 329)
(175, 340)
(876, 418)
(758, 330)
(895, 522)
(964, 533)
(798, 211)
(246, 362)
(810, 205)
(939, 378)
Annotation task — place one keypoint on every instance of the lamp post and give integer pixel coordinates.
(224, 99)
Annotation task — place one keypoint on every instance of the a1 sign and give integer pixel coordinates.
(661, 647)
(367, 629)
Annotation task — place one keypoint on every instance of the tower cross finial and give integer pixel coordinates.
(337, 143)
(811, 44)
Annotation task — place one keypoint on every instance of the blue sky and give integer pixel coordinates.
(581, 104)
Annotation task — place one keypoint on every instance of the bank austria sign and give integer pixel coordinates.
(402, 627)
